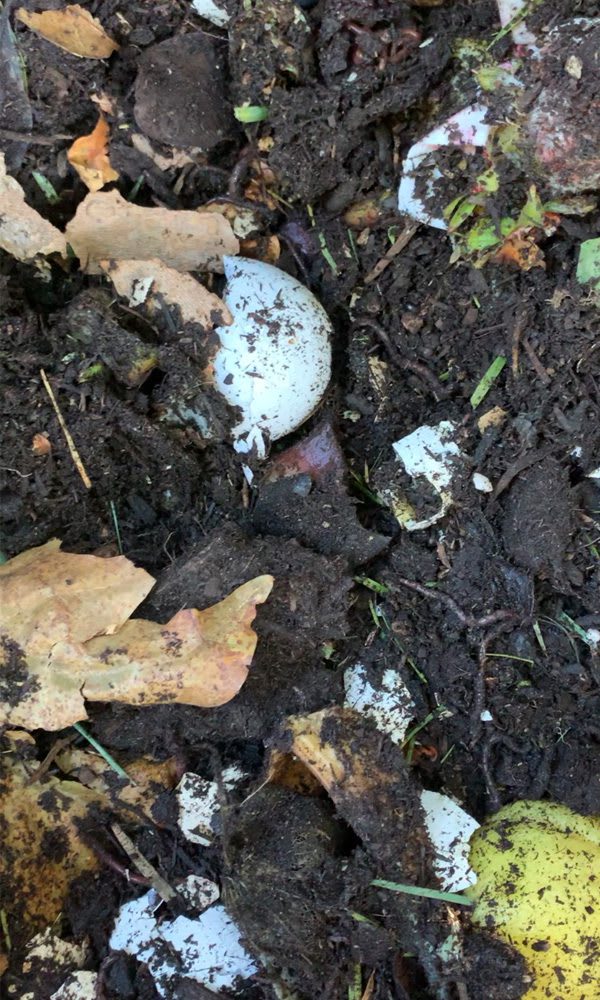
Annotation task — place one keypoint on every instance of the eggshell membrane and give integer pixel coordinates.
(274, 362)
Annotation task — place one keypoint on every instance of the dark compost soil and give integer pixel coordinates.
(530, 548)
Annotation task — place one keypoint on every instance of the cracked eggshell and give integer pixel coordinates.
(430, 452)
(450, 829)
(274, 360)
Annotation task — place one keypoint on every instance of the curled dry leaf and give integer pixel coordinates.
(106, 226)
(23, 232)
(64, 637)
(154, 283)
(89, 156)
(34, 814)
(73, 29)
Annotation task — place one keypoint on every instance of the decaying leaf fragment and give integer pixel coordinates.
(42, 848)
(107, 227)
(23, 232)
(71, 28)
(154, 283)
(148, 778)
(89, 156)
(368, 781)
(64, 638)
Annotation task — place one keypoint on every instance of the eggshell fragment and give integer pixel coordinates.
(390, 705)
(450, 829)
(430, 452)
(274, 361)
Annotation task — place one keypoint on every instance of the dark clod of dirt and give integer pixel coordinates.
(181, 92)
(537, 519)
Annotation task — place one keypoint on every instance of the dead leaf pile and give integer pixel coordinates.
(89, 157)
(65, 637)
(73, 29)
(153, 283)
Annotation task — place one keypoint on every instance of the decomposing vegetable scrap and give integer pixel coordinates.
(66, 637)
(538, 890)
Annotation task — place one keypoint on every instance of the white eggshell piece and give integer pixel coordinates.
(482, 483)
(79, 986)
(450, 829)
(432, 452)
(199, 803)
(390, 706)
(274, 362)
(466, 128)
(211, 11)
(508, 9)
(206, 949)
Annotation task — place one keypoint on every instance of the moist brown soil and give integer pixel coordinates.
(410, 347)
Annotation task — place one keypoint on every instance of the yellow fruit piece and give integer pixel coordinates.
(538, 889)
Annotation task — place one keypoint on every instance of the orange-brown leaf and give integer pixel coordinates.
(72, 28)
(64, 638)
(198, 658)
(89, 156)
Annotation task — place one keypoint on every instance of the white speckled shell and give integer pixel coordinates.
(274, 361)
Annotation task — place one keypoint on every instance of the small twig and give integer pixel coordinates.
(404, 364)
(518, 466)
(536, 363)
(116, 865)
(400, 243)
(478, 704)
(70, 443)
(518, 328)
(158, 883)
(37, 140)
(469, 621)
(49, 759)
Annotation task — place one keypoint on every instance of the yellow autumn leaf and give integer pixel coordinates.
(89, 157)
(42, 849)
(71, 28)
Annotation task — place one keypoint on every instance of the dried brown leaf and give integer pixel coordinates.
(154, 283)
(149, 778)
(89, 156)
(107, 227)
(23, 232)
(71, 28)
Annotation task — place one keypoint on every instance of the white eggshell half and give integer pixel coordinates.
(274, 362)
